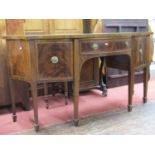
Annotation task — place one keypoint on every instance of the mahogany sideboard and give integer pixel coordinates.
(55, 58)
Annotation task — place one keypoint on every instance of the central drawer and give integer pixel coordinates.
(104, 45)
(55, 60)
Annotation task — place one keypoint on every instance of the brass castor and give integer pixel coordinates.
(14, 117)
(36, 127)
(129, 108)
(144, 100)
(76, 122)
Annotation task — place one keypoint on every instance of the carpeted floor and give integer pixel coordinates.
(91, 103)
(116, 122)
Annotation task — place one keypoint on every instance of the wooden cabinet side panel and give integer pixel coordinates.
(4, 87)
(149, 48)
(140, 53)
(19, 59)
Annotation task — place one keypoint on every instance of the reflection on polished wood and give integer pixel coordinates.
(68, 61)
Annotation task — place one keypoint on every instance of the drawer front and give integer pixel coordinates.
(55, 60)
(105, 45)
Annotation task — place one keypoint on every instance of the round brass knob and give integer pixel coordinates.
(54, 59)
(95, 46)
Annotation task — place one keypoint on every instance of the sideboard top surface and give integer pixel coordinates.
(76, 36)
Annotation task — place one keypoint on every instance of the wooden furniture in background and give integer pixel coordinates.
(63, 26)
(42, 58)
(35, 26)
(53, 26)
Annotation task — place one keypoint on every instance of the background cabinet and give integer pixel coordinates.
(63, 26)
(53, 26)
(36, 26)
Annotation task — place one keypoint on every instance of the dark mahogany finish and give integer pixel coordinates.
(105, 45)
(61, 55)
(61, 58)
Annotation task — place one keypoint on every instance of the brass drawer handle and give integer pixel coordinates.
(95, 46)
(54, 59)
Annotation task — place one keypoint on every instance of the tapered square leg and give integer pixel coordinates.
(129, 108)
(35, 105)
(66, 92)
(145, 83)
(36, 127)
(77, 70)
(76, 105)
(14, 116)
(144, 100)
(45, 94)
(76, 122)
(130, 89)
